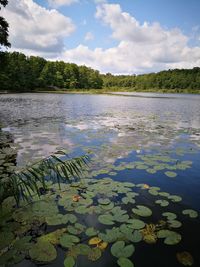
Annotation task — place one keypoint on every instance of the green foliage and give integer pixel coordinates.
(4, 27)
(177, 80)
(21, 73)
(32, 180)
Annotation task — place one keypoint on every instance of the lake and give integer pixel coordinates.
(151, 140)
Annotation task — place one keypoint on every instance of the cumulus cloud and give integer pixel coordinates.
(58, 3)
(36, 29)
(141, 47)
(89, 36)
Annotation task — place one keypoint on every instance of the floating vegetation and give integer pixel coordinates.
(25, 232)
(185, 258)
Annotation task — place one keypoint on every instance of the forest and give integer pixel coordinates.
(21, 73)
(177, 80)
(25, 74)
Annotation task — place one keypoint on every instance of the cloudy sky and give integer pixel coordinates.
(127, 36)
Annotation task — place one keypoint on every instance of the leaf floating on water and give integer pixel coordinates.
(91, 231)
(170, 174)
(94, 241)
(68, 241)
(43, 251)
(149, 234)
(106, 219)
(162, 203)
(175, 198)
(94, 254)
(191, 213)
(169, 215)
(53, 237)
(136, 224)
(104, 201)
(124, 262)
(119, 249)
(171, 237)
(69, 262)
(185, 258)
(142, 211)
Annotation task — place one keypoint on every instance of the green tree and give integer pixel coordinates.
(4, 27)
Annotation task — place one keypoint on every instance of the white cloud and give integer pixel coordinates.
(35, 29)
(89, 36)
(58, 3)
(141, 48)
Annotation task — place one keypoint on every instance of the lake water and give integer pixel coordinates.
(151, 139)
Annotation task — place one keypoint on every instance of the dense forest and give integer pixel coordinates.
(176, 80)
(21, 73)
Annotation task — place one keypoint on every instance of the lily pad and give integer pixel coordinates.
(185, 258)
(43, 251)
(106, 219)
(119, 249)
(190, 213)
(91, 231)
(124, 262)
(68, 241)
(171, 237)
(69, 262)
(170, 174)
(94, 254)
(162, 203)
(104, 201)
(142, 211)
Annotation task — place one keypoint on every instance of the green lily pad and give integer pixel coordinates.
(69, 262)
(124, 262)
(136, 224)
(169, 215)
(104, 201)
(170, 174)
(83, 249)
(174, 223)
(106, 219)
(94, 254)
(142, 211)
(53, 237)
(175, 198)
(191, 213)
(68, 241)
(119, 249)
(91, 231)
(171, 237)
(43, 251)
(162, 203)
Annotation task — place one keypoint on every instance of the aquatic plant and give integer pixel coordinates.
(26, 182)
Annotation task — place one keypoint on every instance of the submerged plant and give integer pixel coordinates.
(32, 180)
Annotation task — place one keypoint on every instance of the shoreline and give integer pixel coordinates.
(114, 91)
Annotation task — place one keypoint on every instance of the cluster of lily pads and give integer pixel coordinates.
(7, 155)
(88, 218)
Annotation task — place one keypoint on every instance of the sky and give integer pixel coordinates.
(120, 37)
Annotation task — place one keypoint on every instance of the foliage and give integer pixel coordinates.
(172, 80)
(21, 73)
(4, 27)
(32, 180)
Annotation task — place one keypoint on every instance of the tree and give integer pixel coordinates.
(4, 27)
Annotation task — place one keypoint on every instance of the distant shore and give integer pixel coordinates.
(105, 91)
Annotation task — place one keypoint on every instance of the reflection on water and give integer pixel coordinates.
(111, 128)
(153, 139)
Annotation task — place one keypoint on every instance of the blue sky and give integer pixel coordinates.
(139, 34)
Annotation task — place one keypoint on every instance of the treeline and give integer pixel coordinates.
(21, 73)
(175, 80)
